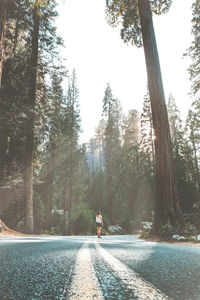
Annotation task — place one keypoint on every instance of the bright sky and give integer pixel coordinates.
(99, 56)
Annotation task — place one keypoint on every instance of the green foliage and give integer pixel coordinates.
(57, 223)
(125, 221)
(121, 174)
(181, 154)
(145, 234)
(50, 231)
(190, 230)
(16, 112)
(106, 221)
(135, 223)
(39, 214)
(167, 231)
(112, 112)
(83, 220)
(126, 13)
(194, 49)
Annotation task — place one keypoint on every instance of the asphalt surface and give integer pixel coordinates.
(114, 267)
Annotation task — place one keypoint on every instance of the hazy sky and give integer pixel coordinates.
(98, 55)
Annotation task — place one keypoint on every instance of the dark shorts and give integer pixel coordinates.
(98, 224)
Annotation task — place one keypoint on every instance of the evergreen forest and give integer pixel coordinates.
(52, 183)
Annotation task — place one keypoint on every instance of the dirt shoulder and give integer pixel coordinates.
(15, 233)
(9, 232)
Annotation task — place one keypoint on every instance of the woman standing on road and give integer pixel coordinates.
(99, 223)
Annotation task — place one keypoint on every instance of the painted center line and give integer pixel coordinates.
(84, 284)
(129, 279)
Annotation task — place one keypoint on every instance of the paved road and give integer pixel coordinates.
(112, 268)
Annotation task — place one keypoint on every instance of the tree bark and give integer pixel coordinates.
(66, 202)
(3, 16)
(28, 172)
(70, 190)
(3, 132)
(50, 183)
(167, 208)
(3, 150)
(196, 166)
(5, 5)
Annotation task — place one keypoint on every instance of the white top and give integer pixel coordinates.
(98, 219)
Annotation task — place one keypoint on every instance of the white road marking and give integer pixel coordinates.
(129, 279)
(84, 284)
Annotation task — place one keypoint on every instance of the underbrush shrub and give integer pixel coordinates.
(83, 221)
(192, 218)
(145, 234)
(57, 224)
(125, 221)
(193, 239)
(134, 224)
(104, 232)
(167, 231)
(51, 231)
(189, 230)
(106, 222)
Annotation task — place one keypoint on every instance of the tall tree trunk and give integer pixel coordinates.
(5, 5)
(167, 207)
(10, 153)
(50, 178)
(92, 176)
(110, 196)
(196, 166)
(3, 15)
(3, 150)
(66, 204)
(28, 172)
(109, 170)
(17, 27)
(3, 132)
(66, 200)
(70, 188)
(70, 208)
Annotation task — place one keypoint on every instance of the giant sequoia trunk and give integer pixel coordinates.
(167, 208)
(28, 167)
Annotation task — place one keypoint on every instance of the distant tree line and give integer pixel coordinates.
(52, 183)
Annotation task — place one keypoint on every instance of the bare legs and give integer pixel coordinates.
(99, 231)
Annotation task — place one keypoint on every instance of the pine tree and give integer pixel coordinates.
(179, 146)
(72, 130)
(194, 49)
(147, 132)
(54, 119)
(96, 162)
(192, 129)
(130, 165)
(21, 69)
(112, 111)
(193, 120)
